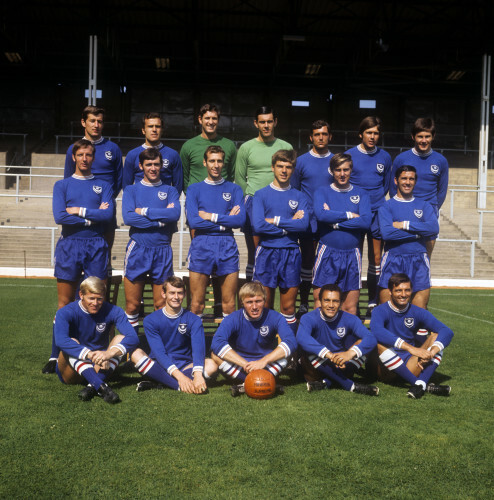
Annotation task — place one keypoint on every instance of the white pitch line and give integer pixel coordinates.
(26, 286)
(462, 315)
(463, 291)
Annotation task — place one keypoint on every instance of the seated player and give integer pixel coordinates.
(247, 339)
(82, 204)
(407, 224)
(279, 214)
(176, 339)
(214, 206)
(151, 208)
(334, 345)
(402, 350)
(343, 214)
(82, 332)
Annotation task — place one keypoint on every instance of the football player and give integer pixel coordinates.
(176, 339)
(403, 350)
(334, 345)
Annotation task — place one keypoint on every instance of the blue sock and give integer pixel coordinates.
(95, 379)
(395, 364)
(427, 372)
(336, 375)
(154, 370)
(55, 351)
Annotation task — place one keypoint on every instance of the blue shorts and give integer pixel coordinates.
(141, 261)
(338, 267)
(216, 255)
(416, 266)
(74, 255)
(278, 267)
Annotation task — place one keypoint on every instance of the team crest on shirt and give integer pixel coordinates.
(182, 328)
(293, 204)
(355, 198)
(108, 155)
(380, 168)
(434, 169)
(162, 195)
(264, 330)
(227, 196)
(409, 322)
(341, 331)
(418, 213)
(166, 162)
(97, 189)
(100, 327)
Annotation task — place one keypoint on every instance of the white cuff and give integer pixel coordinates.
(82, 212)
(144, 211)
(214, 217)
(398, 343)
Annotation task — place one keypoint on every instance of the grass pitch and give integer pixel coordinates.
(163, 444)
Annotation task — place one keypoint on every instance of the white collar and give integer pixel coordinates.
(214, 183)
(421, 155)
(279, 188)
(151, 184)
(401, 200)
(316, 155)
(365, 152)
(172, 316)
(395, 309)
(159, 146)
(82, 177)
(328, 320)
(338, 190)
(98, 141)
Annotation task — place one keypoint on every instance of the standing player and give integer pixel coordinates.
(372, 173)
(82, 332)
(402, 350)
(192, 152)
(213, 206)
(176, 338)
(279, 213)
(247, 339)
(432, 169)
(253, 170)
(343, 214)
(151, 208)
(82, 204)
(335, 344)
(406, 224)
(171, 172)
(107, 165)
(312, 172)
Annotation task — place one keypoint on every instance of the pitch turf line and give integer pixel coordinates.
(461, 315)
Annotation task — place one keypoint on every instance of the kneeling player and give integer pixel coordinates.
(279, 214)
(82, 333)
(176, 338)
(247, 339)
(402, 351)
(335, 344)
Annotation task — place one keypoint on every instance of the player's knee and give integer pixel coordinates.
(210, 367)
(216, 359)
(137, 355)
(132, 306)
(196, 306)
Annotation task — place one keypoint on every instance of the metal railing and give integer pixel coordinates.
(452, 197)
(472, 251)
(481, 221)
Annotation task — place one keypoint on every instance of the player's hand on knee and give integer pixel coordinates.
(199, 383)
(254, 365)
(186, 385)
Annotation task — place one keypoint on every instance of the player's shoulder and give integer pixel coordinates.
(353, 151)
(436, 156)
(402, 157)
(249, 144)
(282, 144)
(224, 142)
(133, 153)
(110, 144)
(168, 152)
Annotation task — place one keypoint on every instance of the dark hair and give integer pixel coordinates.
(397, 279)
(424, 125)
(329, 288)
(213, 150)
(209, 107)
(149, 116)
(92, 110)
(287, 155)
(369, 122)
(405, 168)
(149, 154)
(175, 282)
(265, 110)
(320, 124)
(82, 143)
(338, 159)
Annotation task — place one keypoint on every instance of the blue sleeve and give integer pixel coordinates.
(443, 183)
(222, 336)
(429, 322)
(130, 340)
(59, 206)
(155, 342)
(166, 215)
(128, 175)
(297, 225)
(305, 339)
(118, 172)
(234, 220)
(62, 335)
(259, 219)
(429, 227)
(379, 330)
(198, 343)
(100, 214)
(286, 335)
(365, 216)
(178, 174)
(130, 216)
(329, 216)
(388, 232)
(192, 211)
(69, 164)
(295, 179)
(369, 341)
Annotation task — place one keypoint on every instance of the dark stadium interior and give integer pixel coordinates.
(413, 58)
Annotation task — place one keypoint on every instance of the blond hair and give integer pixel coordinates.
(93, 284)
(251, 289)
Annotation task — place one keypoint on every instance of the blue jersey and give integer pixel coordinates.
(171, 172)
(336, 226)
(88, 193)
(253, 339)
(175, 340)
(92, 330)
(155, 225)
(432, 175)
(392, 326)
(318, 334)
(281, 205)
(421, 225)
(217, 198)
(371, 172)
(107, 164)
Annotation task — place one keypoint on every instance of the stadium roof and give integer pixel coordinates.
(383, 46)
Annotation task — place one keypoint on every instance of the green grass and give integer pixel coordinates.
(162, 444)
